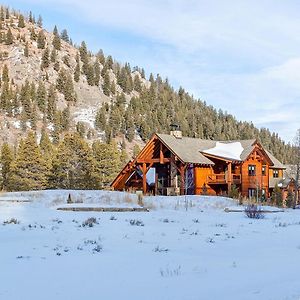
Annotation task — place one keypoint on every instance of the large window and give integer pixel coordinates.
(251, 170)
(275, 173)
(263, 171)
(251, 193)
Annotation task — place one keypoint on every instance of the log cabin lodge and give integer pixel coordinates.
(171, 164)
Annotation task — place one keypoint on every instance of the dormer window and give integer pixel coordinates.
(275, 173)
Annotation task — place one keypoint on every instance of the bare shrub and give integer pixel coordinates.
(90, 222)
(168, 272)
(253, 211)
(11, 221)
(136, 222)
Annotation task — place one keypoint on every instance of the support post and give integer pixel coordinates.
(182, 175)
(161, 154)
(229, 179)
(144, 170)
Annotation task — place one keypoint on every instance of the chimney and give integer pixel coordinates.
(175, 131)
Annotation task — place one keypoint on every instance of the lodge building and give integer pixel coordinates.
(171, 164)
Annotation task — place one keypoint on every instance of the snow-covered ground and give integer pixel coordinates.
(184, 248)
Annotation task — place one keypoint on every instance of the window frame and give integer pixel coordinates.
(251, 170)
(275, 173)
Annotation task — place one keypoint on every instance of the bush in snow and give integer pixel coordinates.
(253, 211)
(136, 222)
(89, 222)
(11, 221)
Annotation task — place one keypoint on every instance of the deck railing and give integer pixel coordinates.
(222, 179)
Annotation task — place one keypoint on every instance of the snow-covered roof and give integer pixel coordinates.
(232, 150)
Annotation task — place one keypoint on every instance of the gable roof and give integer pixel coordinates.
(193, 150)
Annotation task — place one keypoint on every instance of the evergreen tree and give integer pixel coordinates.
(77, 69)
(136, 150)
(65, 85)
(9, 37)
(73, 164)
(96, 73)
(107, 163)
(51, 103)
(5, 74)
(80, 128)
(29, 169)
(56, 39)
(45, 59)
(106, 85)
(277, 196)
(26, 50)
(289, 201)
(41, 96)
(21, 22)
(41, 40)
(6, 161)
(40, 21)
(53, 55)
(64, 36)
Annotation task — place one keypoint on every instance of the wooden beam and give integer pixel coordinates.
(182, 175)
(161, 154)
(229, 176)
(144, 170)
(152, 160)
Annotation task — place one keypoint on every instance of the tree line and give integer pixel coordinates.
(72, 164)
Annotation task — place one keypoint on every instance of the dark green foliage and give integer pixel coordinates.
(6, 160)
(136, 150)
(53, 55)
(234, 192)
(106, 163)
(21, 22)
(77, 69)
(80, 128)
(45, 59)
(64, 36)
(277, 196)
(41, 96)
(106, 85)
(73, 164)
(56, 39)
(40, 21)
(9, 37)
(65, 119)
(51, 103)
(41, 40)
(26, 50)
(100, 120)
(96, 73)
(289, 201)
(65, 85)
(5, 74)
(29, 169)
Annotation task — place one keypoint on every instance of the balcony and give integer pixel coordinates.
(222, 179)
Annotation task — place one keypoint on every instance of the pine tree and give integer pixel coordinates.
(65, 85)
(40, 21)
(45, 59)
(64, 36)
(136, 150)
(6, 161)
(80, 128)
(31, 18)
(106, 85)
(53, 55)
(26, 50)
(29, 169)
(9, 37)
(73, 164)
(41, 96)
(5, 74)
(51, 103)
(277, 196)
(56, 39)
(106, 162)
(289, 201)
(41, 40)
(77, 69)
(97, 73)
(21, 22)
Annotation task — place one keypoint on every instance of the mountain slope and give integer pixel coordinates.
(47, 82)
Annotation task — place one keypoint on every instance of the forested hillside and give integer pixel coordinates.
(51, 86)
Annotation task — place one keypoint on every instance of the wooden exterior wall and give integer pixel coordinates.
(201, 174)
(257, 181)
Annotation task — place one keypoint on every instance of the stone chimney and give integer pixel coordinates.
(175, 131)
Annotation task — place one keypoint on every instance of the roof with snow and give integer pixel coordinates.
(194, 150)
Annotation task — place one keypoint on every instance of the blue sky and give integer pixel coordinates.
(240, 56)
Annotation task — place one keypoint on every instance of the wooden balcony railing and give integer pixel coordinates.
(222, 179)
